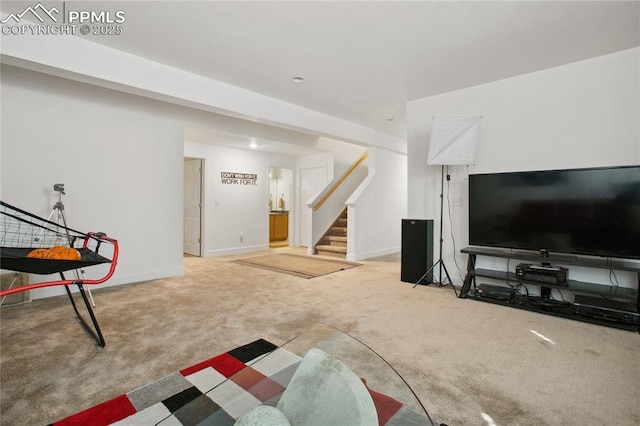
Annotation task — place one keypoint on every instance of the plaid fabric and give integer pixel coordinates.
(233, 382)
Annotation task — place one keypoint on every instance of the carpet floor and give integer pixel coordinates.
(470, 363)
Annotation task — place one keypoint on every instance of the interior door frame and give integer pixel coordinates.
(293, 196)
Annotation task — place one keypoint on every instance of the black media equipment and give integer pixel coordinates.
(496, 292)
(542, 274)
(606, 309)
(417, 251)
(590, 211)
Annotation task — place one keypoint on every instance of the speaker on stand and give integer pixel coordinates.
(417, 251)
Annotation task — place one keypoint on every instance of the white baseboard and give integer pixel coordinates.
(42, 293)
(235, 250)
(351, 257)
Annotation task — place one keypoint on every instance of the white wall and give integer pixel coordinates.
(579, 115)
(345, 155)
(327, 213)
(121, 159)
(231, 210)
(378, 206)
(119, 156)
(304, 218)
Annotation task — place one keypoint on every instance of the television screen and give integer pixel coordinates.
(592, 211)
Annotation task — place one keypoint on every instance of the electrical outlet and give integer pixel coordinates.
(241, 237)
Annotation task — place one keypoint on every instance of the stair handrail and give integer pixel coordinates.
(339, 181)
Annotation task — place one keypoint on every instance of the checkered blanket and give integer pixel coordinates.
(218, 391)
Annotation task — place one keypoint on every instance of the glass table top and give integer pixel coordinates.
(262, 381)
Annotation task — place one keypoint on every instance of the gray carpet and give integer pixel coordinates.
(470, 363)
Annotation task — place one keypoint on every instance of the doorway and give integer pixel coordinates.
(192, 207)
(280, 206)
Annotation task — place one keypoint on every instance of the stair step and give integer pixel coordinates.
(333, 249)
(334, 242)
(336, 238)
(338, 231)
(332, 254)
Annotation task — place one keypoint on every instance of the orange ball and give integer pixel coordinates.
(65, 253)
(41, 254)
(56, 253)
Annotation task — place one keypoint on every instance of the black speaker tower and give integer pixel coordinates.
(417, 251)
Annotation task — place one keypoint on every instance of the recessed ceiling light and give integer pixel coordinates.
(253, 144)
(297, 79)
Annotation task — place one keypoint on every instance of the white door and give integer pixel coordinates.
(192, 203)
(312, 180)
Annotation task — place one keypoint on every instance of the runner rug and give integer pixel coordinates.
(218, 391)
(298, 265)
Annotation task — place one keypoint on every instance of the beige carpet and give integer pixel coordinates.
(467, 361)
(298, 265)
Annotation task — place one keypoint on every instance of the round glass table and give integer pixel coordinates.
(304, 375)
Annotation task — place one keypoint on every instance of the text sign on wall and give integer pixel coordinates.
(232, 178)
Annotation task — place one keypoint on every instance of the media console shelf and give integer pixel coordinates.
(603, 304)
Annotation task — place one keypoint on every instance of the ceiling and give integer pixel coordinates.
(364, 60)
(216, 137)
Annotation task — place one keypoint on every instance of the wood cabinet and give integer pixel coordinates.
(278, 226)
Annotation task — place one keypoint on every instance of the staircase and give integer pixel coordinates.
(334, 241)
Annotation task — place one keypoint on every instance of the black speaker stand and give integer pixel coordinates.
(440, 261)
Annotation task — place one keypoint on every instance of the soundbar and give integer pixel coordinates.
(542, 274)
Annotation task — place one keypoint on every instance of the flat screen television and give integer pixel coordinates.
(594, 211)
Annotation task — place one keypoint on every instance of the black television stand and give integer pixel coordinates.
(604, 304)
